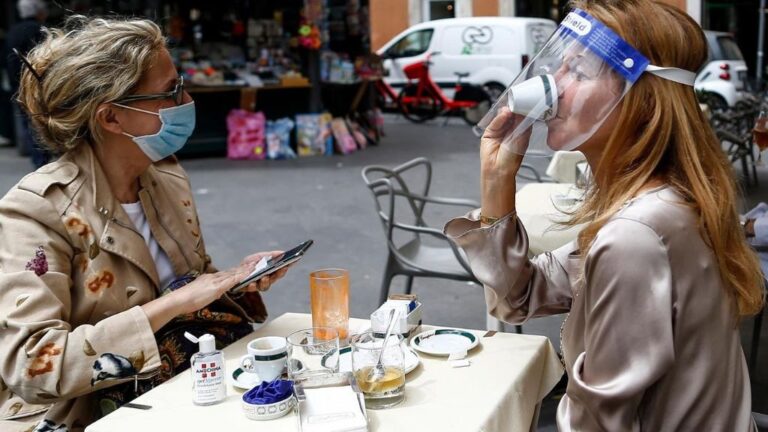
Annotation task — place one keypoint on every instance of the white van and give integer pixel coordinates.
(492, 50)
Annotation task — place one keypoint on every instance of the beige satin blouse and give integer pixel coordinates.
(651, 343)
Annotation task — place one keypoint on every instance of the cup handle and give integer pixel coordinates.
(246, 363)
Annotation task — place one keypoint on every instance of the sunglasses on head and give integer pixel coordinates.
(177, 94)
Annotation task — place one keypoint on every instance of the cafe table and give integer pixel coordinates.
(501, 390)
(540, 207)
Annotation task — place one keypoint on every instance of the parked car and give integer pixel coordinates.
(723, 78)
(492, 50)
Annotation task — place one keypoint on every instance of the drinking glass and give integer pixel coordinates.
(760, 135)
(310, 356)
(389, 389)
(329, 294)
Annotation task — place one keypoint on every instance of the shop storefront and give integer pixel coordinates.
(740, 18)
(277, 58)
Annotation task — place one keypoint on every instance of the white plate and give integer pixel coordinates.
(444, 342)
(412, 359)
(244, 380)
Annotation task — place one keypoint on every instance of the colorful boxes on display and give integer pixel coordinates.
(408, 319)
(293, 80)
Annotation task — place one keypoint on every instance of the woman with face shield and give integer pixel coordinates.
(102, 261)
(660, 275)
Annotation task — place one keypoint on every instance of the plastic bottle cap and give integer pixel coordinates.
(207, 343)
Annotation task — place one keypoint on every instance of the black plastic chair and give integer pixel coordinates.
(400, 208)
(739, 148)
(761, 420)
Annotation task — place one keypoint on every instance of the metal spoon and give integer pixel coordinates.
(378, 371)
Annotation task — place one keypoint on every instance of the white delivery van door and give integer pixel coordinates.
(407, 50)
(538, 35)
(480, 50)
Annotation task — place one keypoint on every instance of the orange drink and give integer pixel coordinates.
(760, 133)
(329, 295)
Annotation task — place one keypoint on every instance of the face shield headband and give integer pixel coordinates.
(563, 96)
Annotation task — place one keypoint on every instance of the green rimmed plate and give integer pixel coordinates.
(444, 342)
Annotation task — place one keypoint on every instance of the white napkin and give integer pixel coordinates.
(332, 409)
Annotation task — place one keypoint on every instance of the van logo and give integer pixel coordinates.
(475, 36)
(577, 23)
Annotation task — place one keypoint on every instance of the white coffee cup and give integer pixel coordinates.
(266, 357)
(535, 97)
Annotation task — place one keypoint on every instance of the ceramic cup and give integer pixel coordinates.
(266, 357)
(535, 97)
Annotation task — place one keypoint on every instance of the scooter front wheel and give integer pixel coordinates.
(418, 108)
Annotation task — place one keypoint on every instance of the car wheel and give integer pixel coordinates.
(716, 102)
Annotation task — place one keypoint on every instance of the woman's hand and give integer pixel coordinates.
(194, 296)
(263, 284)
(499, 165)
(251, 260)
(207, 288)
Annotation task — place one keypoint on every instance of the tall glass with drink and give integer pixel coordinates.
(329, 294)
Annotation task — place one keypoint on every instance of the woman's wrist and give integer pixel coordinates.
(162, 310)
(497, 202)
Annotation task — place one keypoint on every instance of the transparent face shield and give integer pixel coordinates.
(565, 94)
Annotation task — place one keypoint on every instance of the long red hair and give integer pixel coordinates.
(662, 134)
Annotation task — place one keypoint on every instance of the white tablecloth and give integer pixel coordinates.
(510, 374)
(538, 207)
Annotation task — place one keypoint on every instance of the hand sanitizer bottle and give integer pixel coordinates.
(208, 372)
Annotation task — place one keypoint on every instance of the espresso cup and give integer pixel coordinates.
(535, 97)
(266, 357)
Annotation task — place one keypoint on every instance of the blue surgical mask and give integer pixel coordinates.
(177, 124)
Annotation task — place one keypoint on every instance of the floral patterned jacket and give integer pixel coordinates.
(73, 274)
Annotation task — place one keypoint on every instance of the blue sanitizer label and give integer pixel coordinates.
(606, 44)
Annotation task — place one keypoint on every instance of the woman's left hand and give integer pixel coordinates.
(250, 261)
(263, 284)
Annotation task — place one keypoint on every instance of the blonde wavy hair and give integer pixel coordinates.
(87, 62)
(662, 134)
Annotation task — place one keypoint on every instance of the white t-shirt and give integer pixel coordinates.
(162, 262)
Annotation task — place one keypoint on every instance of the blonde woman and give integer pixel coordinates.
(660, 275)
(102, 261)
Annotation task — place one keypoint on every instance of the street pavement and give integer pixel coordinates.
(250, 206)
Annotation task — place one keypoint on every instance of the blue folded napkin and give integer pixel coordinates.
(269, 392)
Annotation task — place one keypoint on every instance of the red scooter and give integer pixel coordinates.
(421, 99)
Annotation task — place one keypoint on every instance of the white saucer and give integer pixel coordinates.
(444, 342)
(244, 380)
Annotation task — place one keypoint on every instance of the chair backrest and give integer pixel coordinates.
(400, 195)
(390, 188)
